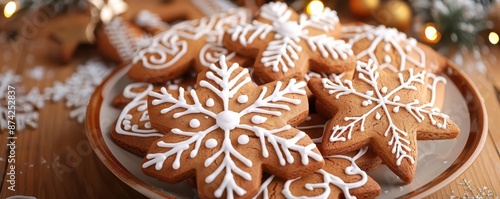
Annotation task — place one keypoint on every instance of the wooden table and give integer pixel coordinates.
(55, 160)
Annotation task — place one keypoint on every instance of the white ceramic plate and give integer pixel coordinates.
(439, 162)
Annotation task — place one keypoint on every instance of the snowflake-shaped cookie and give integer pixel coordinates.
(340, 176)
(385, 111)
(287, 44)
(391, 49)
(227, 129)
(169, 54)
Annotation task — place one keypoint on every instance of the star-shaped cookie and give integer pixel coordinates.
(285, 44)
(383, 111)
(227, 131)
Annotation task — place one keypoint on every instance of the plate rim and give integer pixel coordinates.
(95, 136)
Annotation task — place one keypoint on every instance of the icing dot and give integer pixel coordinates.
(173, 87)
(369, 93)
(395, 109)
(194, 123)
(210, 102)
(227, 120)
(308, 118)
(147, 125)
(243, 99)
(387, 59)
(211, 143)
(128, 117)
(387, 47)
(366, 102)
(243, 139)
(127, 127)
(378, 116)
(396, 98)
(412, 41)
(408, 48)
(257, 119)
(383, 90)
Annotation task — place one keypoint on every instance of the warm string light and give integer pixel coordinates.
(10, 9)
(493, 37)
(315, 7)
(431, 34)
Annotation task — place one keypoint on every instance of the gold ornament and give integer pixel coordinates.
(363, 8)
(394, 13)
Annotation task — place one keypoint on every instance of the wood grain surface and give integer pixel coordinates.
(56, 161)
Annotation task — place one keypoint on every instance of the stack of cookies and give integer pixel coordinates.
(280, 105)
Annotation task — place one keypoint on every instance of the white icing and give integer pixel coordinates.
(327, 180)
(434, 80)
(243, 139)
(226, 85)
(392, 39)
(211, 143)
(166, 48)
(146, 18)
(121, 38)
(211, 7)
(137, 104)
(210, 102)
(257, 119)
(383, 90)
(243, 99)
(399, 138)
(194, 123)
(285, 48)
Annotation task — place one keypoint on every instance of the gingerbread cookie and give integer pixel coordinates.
(391, 49)
(169, 54)
(384, 111)
(227, 131)
(132, 130)
(341, 176)
(286, 44)
(314, 126)
(118, 40)
(436, 87)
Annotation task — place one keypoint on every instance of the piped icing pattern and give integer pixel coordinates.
(330, 182)
(391, 41)
(211, 7)
(122, 39)
(125, 124)
(228, 83)
(137, 93)
(147, 19)
(290, 35)
(167, 48)
(386, 102)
